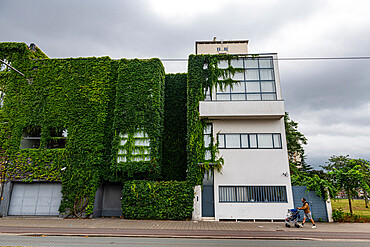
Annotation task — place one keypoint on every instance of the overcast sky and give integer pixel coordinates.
(329, 99)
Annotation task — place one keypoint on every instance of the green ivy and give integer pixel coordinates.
(174, 138)
(203, 75)
(164, 200)
(139, 107)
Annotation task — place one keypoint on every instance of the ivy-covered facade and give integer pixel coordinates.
(70, 126)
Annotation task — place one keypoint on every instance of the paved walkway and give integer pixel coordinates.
(209, 229)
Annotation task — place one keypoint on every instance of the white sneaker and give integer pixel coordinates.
(313, 227)
(300, 225)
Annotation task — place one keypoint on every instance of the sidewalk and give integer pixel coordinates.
(208, 229)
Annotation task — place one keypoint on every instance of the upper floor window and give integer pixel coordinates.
(255, 80)
(242, 141)
(31, 137)
(134, 147)
(58, 138)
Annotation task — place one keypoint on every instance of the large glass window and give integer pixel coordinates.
(233, 141)
(252, 194)
(256, 80)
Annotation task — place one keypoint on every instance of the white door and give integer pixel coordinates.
(35, 199)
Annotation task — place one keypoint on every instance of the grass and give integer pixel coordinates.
(358, 206)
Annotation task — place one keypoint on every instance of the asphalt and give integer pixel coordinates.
(115, 227)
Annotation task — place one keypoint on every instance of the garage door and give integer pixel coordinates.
(35, 199)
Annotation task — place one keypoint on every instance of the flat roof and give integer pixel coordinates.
(222, 42)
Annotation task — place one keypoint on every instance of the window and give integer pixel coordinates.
(252, 194)
(134, 147)
(256, 81)
(58, 138)
(207, 135)
(31, 137)
(260, 141)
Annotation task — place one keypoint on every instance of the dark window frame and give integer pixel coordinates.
(270, 193)
(260, 93)
(277, 146)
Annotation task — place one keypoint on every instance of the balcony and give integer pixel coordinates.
(242, 109)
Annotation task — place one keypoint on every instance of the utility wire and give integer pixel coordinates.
(285, 58)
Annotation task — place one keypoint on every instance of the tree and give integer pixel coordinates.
(349, 175)
(295, 141)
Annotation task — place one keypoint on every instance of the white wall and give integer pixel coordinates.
(253, 167)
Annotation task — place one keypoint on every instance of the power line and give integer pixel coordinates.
(285, 58)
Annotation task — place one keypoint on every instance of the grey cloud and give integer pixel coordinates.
(334, 93)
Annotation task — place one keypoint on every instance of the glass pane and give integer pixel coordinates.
(139, 134)
(207, 140)
(207, 155)
(208, 129)
(265, 62)
(223, 89)
(251, 63)
(223, 64)
(267, 74)
(142, 142)
(123, 142)
(241, 194)
(267, 86)
(265, 141)
(269, 96)
(221, 141)
(121, 159)
(238, 96)
(253, 87)
(232, 141)
(238, 87)
(227, 194)
(30, 143)
(253, 97)
(253, 141)
(223, 96)
(238, 76)
(208, 94)
(221, 77)
(245, 141)
(252, 75)
(277, 141)
(237, 63)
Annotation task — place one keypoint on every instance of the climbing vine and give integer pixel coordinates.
(138, 109)
(204, 75)
(174, 137)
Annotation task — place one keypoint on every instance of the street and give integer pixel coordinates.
(64, 241)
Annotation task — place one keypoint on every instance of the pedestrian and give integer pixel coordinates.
(307, 213)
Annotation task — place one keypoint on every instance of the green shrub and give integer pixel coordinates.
(338, 215)
(164, 200)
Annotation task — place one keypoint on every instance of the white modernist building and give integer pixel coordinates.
(248, 121)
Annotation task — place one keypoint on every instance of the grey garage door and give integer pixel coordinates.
(35, 199)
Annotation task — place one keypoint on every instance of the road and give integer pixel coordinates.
(64, 241)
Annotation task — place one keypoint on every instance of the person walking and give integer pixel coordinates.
(307, 213)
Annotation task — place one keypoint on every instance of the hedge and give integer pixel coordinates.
(157, 200)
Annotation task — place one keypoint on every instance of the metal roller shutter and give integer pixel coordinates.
(35, 199)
